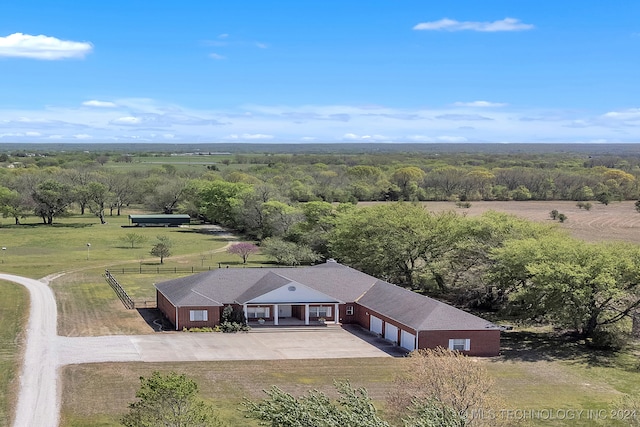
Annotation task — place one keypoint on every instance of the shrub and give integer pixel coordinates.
(610, 337)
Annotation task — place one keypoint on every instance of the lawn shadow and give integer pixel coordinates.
(154, 318)
(524, 346)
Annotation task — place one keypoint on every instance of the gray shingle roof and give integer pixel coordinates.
(231, 285)
(418, 311)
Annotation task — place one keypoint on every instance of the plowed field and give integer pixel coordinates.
(617, 221)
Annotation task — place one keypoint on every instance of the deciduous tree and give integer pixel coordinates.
(162, 248)
(169, 400)
(352, 409)
(442, 383)
(243, 249)
(578, 285)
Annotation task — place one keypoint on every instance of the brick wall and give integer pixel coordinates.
(482, 343)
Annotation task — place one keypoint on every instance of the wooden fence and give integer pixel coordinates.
(122, 294)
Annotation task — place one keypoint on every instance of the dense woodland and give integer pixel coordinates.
(301, 208)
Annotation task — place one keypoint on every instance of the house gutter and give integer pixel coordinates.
(177, 318)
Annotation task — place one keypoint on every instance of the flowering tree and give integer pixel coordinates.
(243, 249)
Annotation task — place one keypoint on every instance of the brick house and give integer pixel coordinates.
(331, 292)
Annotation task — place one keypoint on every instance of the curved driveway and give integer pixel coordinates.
(39, 397)
(38, 403)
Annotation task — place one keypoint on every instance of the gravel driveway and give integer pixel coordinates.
(39, 397)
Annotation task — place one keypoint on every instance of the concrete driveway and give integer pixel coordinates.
(260, 344)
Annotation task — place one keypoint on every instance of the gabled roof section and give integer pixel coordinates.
(417, 311)
(274, 288)
(226, 285)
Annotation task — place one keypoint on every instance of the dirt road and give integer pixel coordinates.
(38, 404)
(38, 400)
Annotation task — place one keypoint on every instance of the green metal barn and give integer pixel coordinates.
(159, 220)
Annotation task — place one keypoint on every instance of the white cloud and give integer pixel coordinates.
(217, 56)
(223, 36)
(479, 104)
(249, 136)
(142, 119)
(446, 24)
(99, 104)
(42, 47)
(448, 138)
(632, 114)
(356, 137)
(462, 117)
(82, 136)
(262, 45)
(128, 120)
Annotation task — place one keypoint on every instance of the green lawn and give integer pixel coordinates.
(536, 371)
(14, 305)
(525, 383)
(36, 250)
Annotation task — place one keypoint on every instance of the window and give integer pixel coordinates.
(349, 310)
(258, 312)
(460, 344)
(198, 315)
(319, 311)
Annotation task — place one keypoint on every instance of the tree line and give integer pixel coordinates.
(94, 181)
(494, 262)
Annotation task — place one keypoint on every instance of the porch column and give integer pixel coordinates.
(246, 312)
(275, 315)
(306, 314)
(336, 314)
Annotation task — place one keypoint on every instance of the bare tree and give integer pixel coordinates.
(450, 378)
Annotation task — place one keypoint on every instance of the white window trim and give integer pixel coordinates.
(467, 344)
(350, 310)
(198, 315)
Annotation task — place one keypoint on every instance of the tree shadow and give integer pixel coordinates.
(54, 225)
(524, 346)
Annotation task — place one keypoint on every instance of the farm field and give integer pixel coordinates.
(617, 221)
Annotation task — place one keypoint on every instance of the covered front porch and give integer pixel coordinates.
(291, 314)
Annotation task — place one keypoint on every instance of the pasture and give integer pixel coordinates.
(541, 374)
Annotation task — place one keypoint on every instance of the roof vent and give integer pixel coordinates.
(292, 288)
(331, 260)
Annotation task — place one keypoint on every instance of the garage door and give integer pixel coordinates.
(391, 333)
(407, 340)
(375, 324)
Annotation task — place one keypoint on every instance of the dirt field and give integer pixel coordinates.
(617, 221)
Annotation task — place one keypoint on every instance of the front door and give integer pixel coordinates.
(284, 311)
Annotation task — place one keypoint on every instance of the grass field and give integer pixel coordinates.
(14, 312)
(534, 373)
(546, 375)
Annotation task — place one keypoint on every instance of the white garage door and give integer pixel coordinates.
(375, 324)
(391, 333)
(407, 340)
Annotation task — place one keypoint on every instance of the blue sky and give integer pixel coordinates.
(320, 71)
